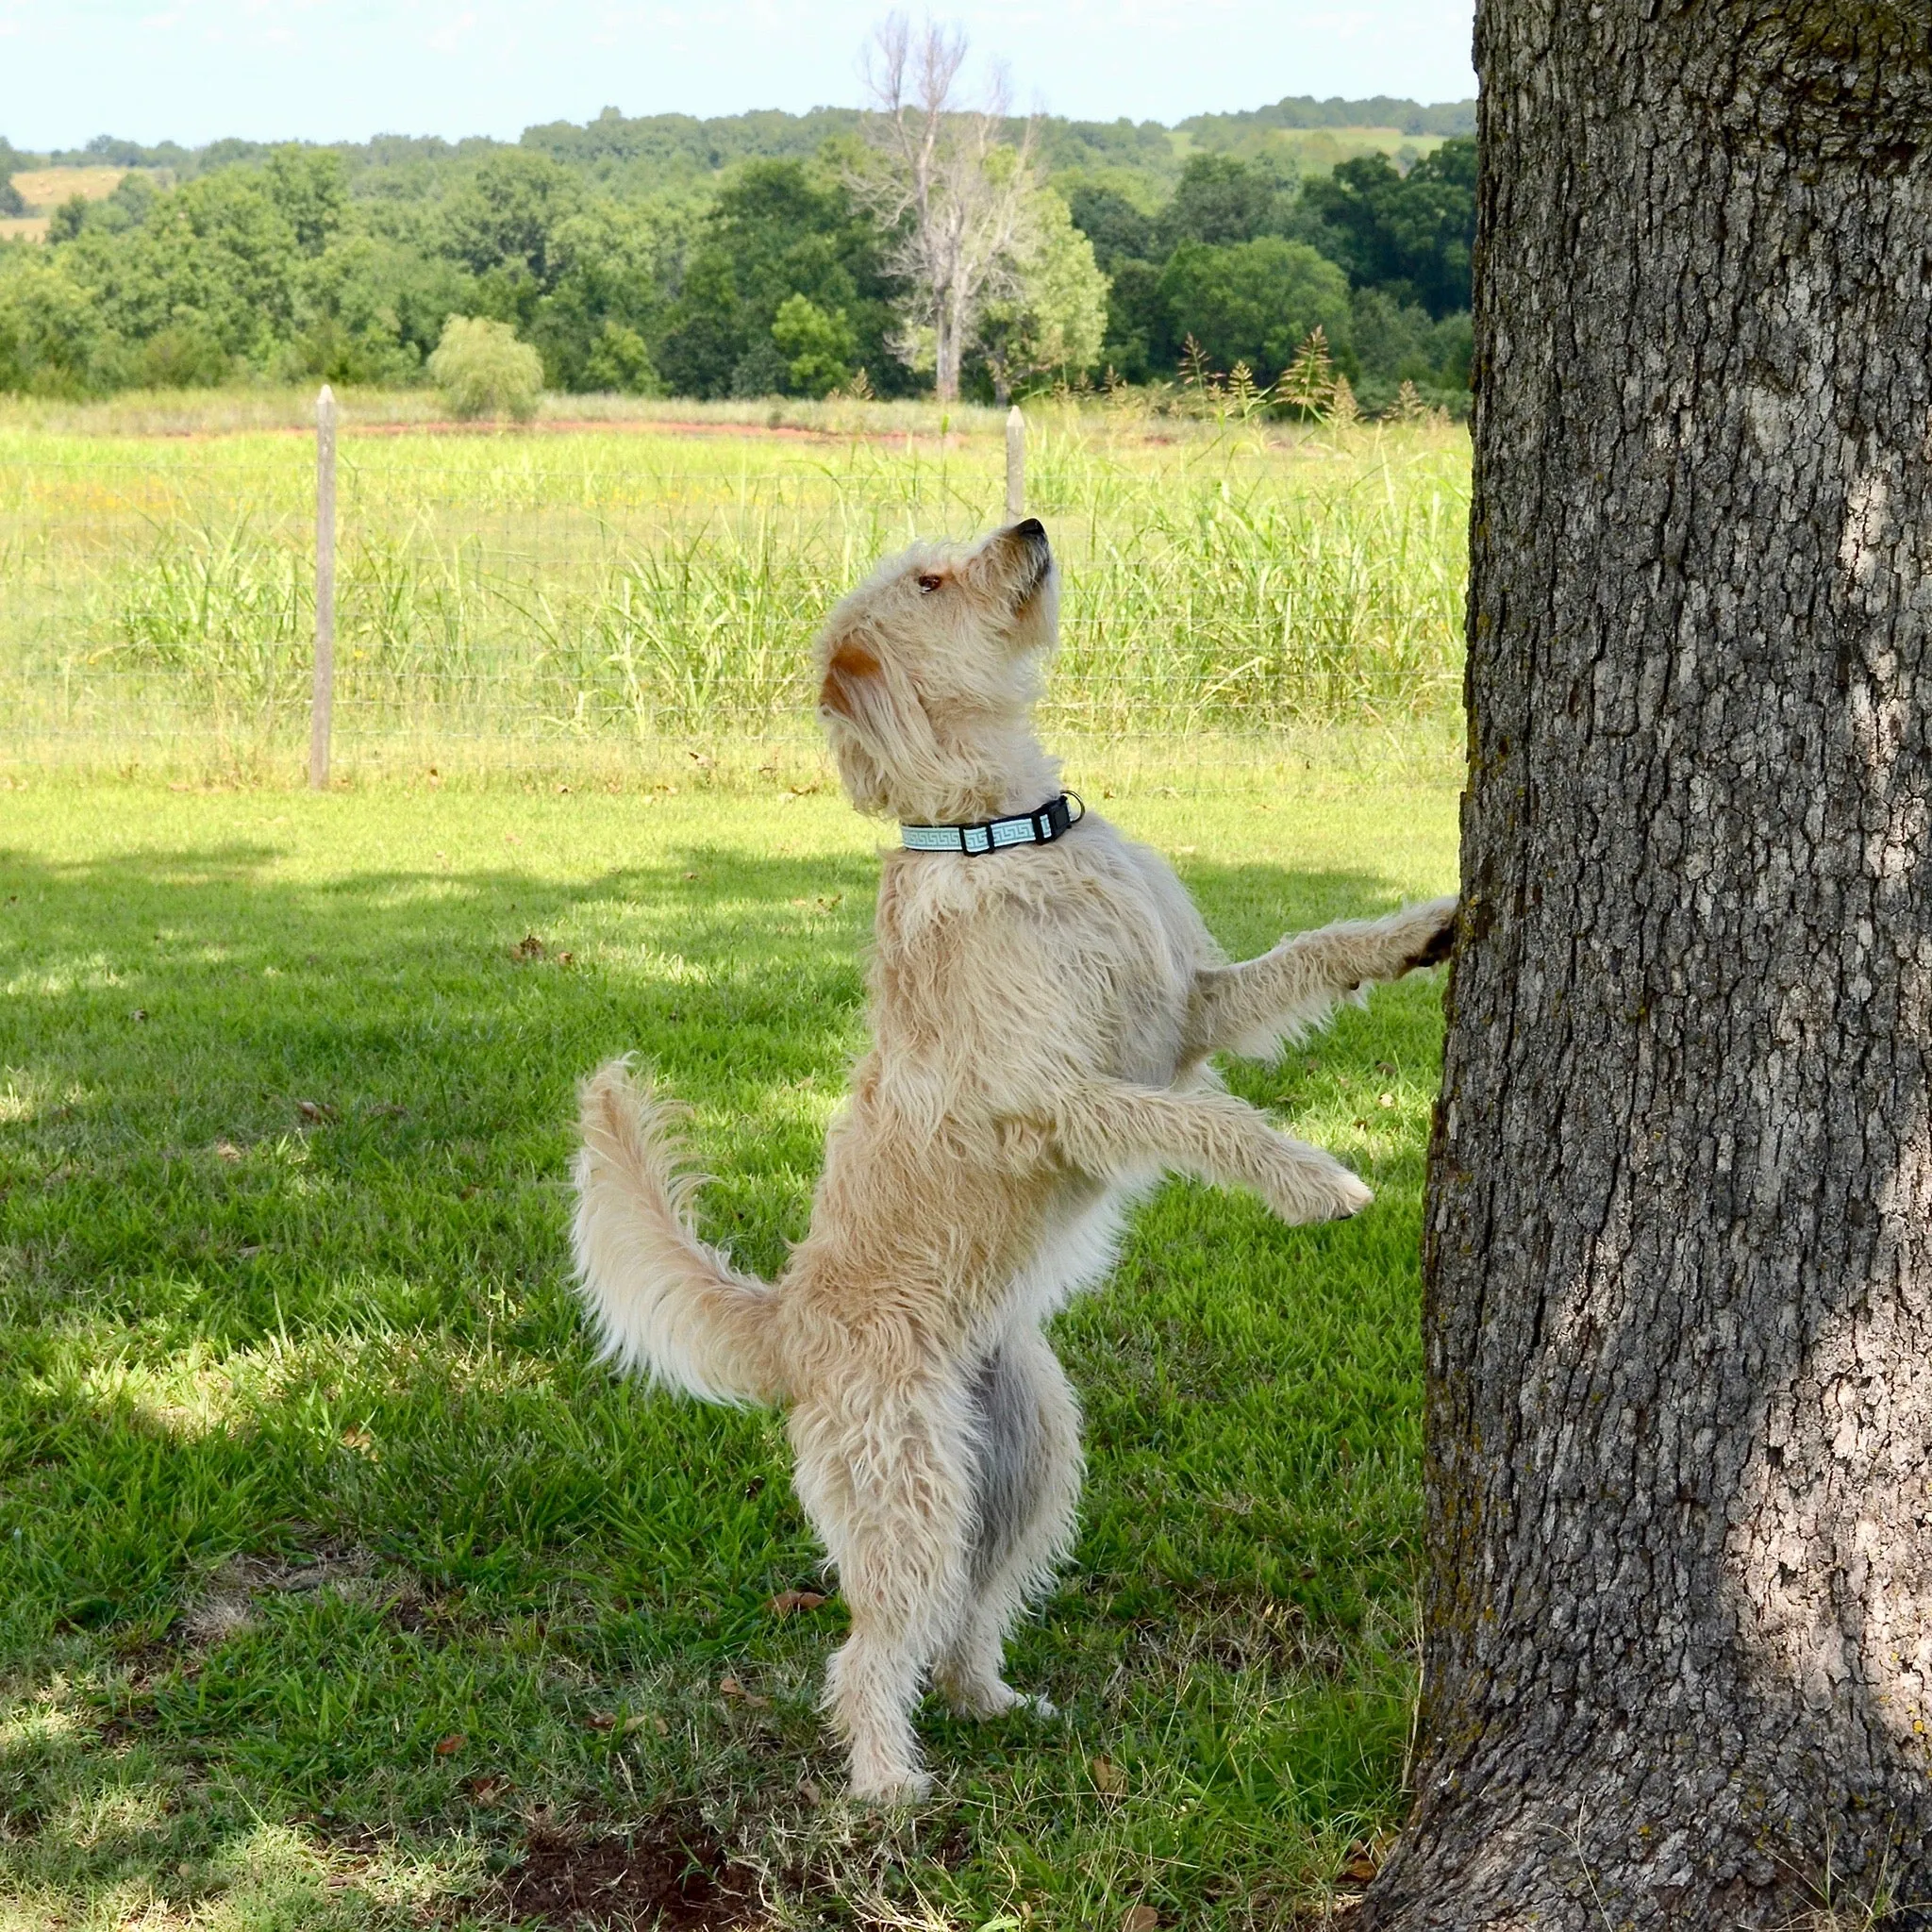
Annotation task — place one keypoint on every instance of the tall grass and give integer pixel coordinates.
(603, 584)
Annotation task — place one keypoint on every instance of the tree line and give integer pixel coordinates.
(628, 265)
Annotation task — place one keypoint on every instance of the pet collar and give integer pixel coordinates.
(1041, 827)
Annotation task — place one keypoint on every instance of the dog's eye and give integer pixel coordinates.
(929, 584)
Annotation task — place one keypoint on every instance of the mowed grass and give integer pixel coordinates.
(340, 1586)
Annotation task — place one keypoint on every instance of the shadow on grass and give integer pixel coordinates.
(282, 1273)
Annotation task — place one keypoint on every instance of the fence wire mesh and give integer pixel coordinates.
(575, 595)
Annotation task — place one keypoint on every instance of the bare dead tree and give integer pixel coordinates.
(947, 185)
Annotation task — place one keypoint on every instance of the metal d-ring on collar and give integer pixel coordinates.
(1041, 827)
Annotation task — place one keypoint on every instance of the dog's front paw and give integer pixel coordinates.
(1427, 933)
(1350, 1194)
(1313, 1186)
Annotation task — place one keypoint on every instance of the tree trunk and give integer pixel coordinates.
(947, 347)
(1679, 1267)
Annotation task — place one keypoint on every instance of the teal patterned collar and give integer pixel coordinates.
(1052, 821)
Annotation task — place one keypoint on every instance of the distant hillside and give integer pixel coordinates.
(655, 153)
(1303, 111)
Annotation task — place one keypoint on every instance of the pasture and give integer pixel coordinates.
(625, 589)
(339, 1586)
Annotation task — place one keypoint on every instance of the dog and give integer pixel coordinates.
(1041, 1016)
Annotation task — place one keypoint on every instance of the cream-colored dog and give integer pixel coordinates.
(1041, 1016)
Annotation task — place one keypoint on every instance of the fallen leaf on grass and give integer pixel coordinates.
(1385, 1100)
(139, 1013)
(601, 1720)
(1140, 1919)
(731, 1687)
(1360, 1865)
(1386, 1067)
(485, 1786)
(227, 1150)
(690, 876)
(317, 1112)
(1108, 1777)
(528, 947)
(787, 1601)
(449, 1746)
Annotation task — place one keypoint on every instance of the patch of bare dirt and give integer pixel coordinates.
(674, 1874)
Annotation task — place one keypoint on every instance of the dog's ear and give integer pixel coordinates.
(850, 681)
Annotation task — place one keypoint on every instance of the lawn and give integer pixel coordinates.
(341, 1587)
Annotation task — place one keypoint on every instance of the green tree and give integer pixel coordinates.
(217, 262)
(1221, 200)
(1410, 233)
(503, 225)
(1253, 302)
(776, 229)
(11, 162)
(1397, 341)
(311, 189)
(612, 261)
(68, 219)
(1055, 319)
(372, 309)
(50, 333)
(1119, 230)
(482, 369)
(817, 347)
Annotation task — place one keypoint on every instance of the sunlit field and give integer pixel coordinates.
(616, 587)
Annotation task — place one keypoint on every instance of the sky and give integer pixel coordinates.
(192, 71)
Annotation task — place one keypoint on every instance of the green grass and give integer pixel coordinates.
(306, 1471)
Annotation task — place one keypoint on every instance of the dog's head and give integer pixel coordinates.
(928, 672)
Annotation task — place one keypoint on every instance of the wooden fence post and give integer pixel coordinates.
(1016, 462)
(322, 709)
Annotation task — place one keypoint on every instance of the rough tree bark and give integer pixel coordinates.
(1678, 1269)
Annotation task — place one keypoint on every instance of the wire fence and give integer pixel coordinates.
(585, 596)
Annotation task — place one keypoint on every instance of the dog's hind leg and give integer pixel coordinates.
(1026, 1421)
(1252, 1008)
(886, 1475)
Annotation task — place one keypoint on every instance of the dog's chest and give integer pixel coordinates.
(1070, 962)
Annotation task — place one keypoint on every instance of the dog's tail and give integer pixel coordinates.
(666, 1304)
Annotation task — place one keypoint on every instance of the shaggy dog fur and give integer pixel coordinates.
(1041, 1019)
